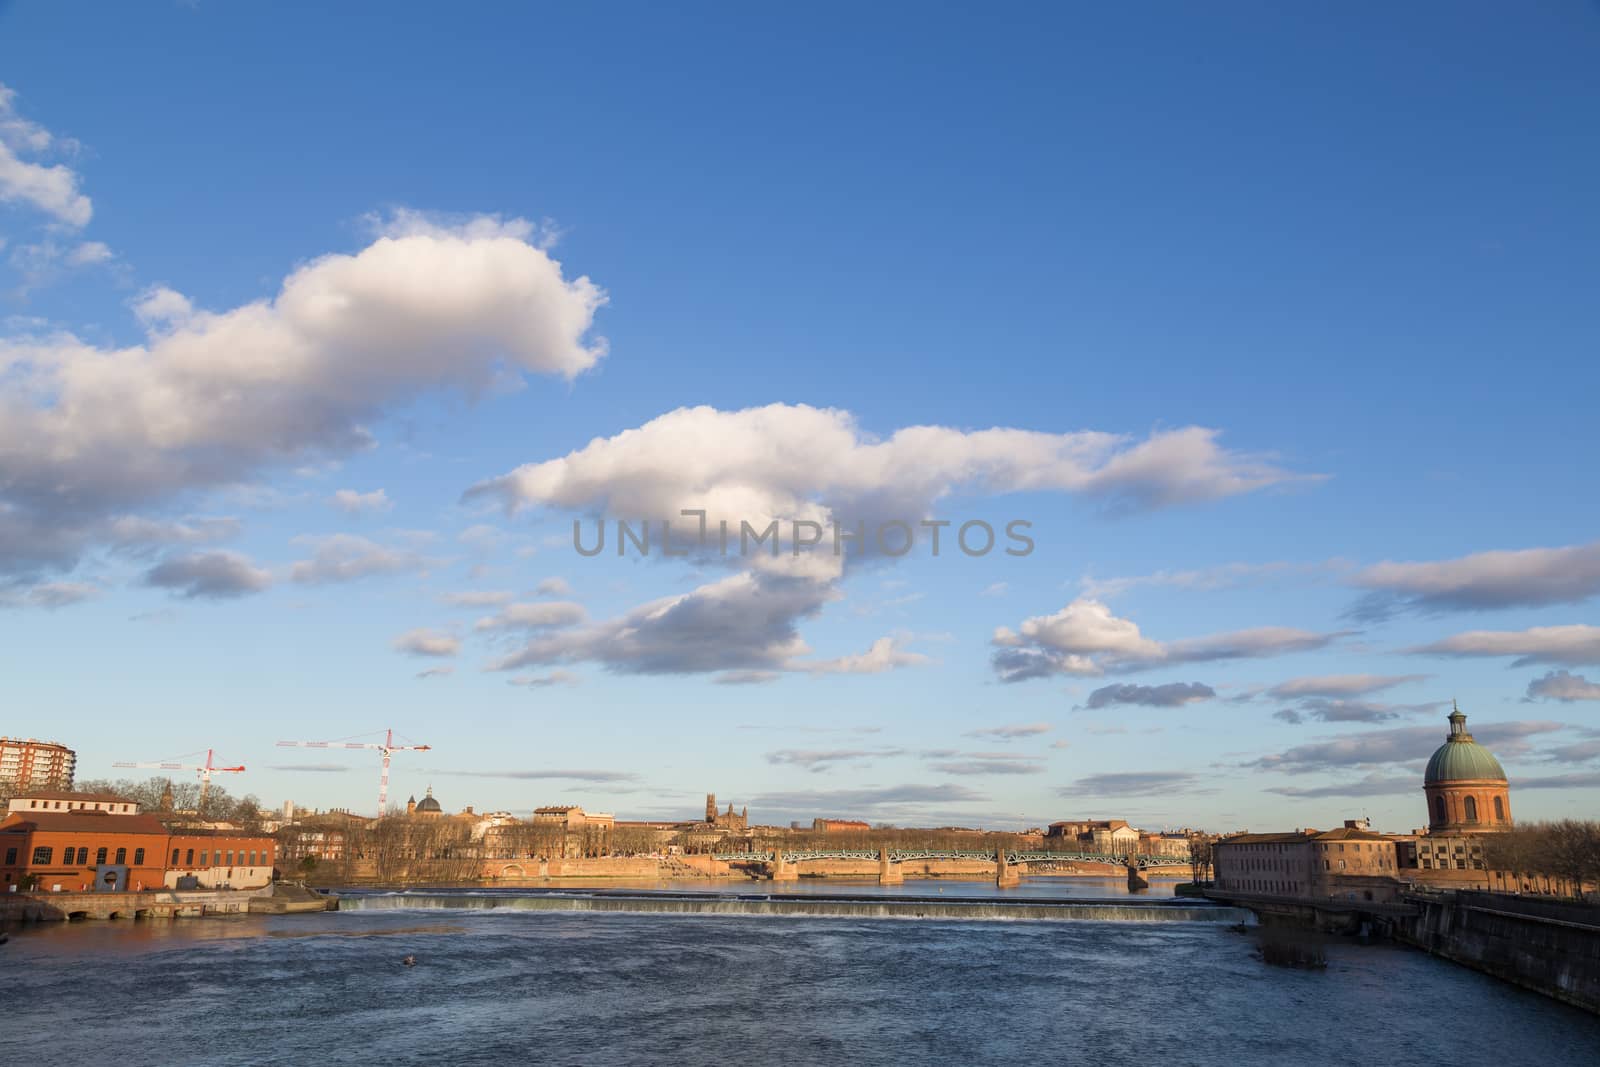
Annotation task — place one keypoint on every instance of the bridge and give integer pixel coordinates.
(898, 855)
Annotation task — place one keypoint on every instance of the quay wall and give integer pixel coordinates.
(1547, 946)
(150, 904)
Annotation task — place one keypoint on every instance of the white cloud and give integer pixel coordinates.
(352, 502)
(1563, 686)
(88, 253)
(1529, 577)
(792, 461)
(346, 558)
(161, 306)
(1572, 645)
(539, 616)
(884, 655)
(1086, 638)
(213, 398)
(744, 622)
(213, 575)
(52, 189)
(554, 587)
(425, 642)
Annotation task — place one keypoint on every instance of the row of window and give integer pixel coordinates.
(224, 859)
(43, 855)
(1470, 808)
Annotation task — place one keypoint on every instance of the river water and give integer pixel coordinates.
(508, 986)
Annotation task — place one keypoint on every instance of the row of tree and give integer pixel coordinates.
(1550, 857)
(219, 806)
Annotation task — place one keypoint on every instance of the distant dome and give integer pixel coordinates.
(428, 804)
(1461, 758)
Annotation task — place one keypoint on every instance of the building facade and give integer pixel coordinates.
(1347, 863)
(34, 764)
(1465, 785)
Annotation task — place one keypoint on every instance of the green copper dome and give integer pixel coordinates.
(1462, 757)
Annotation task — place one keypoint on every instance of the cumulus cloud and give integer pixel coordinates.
(134, 533)
(215, 575)
(537, 616)
(1171, 695)
(744, 622)
(1573, 645)
(351, 502)
(210, 399)
(346, 558)
(1326, 710)
(1086, 638)
(553, 587)
(425, 642)
(786, 460)
(884, 655)
(1563, 686)
(1530, 577)
(49, 188)
(1134, 784)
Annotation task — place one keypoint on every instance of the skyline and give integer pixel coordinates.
(1289, 385)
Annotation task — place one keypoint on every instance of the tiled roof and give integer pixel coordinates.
(82, 822)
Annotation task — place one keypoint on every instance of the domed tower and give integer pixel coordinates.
(1465, 785)
(428, 808)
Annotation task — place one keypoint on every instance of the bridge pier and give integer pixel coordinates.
(889, 873)
(1005, 875)
(1136, 881)
(781, 871)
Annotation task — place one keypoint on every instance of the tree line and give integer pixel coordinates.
(1561, 857)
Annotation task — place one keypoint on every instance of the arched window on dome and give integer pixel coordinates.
(1499, 810)
(1438, 810)
(1472, 809)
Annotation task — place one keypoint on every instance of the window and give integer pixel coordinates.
(1499, 810)
(43, 854)
(1438, 810)
(138, 857)
(1472, 809)
(174, 857)
(188, 858)
(100, 854)
(11, 857)
(122, 856)
(205, 855)
(230, 858)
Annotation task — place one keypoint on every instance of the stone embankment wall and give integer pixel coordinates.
(1547, 946)
(153, 904)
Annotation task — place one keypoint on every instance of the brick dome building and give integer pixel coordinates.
(1465, 785)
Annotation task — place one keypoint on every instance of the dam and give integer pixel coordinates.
(833, 905)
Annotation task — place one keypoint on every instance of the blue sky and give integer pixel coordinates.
(1325, 280)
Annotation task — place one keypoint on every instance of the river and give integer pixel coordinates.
(515, 986)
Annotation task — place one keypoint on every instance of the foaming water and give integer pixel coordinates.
(831, 905)
(513, 986)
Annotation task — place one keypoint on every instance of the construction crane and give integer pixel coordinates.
(205, 770)
(387, 747)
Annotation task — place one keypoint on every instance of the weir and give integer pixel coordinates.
(842, 907)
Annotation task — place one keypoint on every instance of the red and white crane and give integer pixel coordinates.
(205, 770)
(386, 746)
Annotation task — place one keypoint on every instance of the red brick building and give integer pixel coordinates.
(81, 850)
